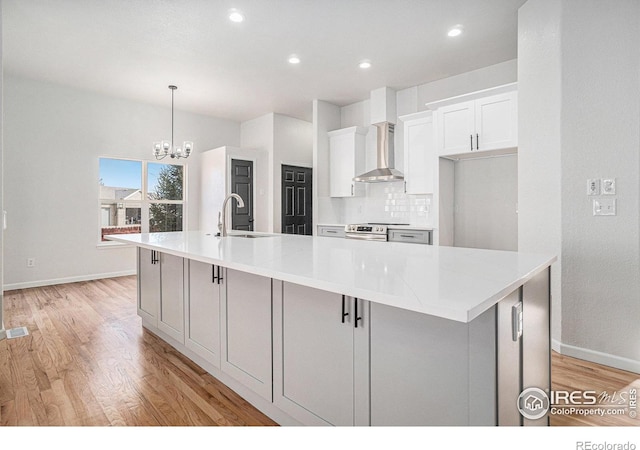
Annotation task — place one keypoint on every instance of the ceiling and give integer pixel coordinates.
(135, 48)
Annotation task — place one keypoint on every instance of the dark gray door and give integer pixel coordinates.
(296, 200)
(242, 184)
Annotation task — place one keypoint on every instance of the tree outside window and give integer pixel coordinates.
(165, 193)
(124, 206)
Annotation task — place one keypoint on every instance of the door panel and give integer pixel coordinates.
(318, 354)
(203, 321)
(246, 330)
(497, 121)
(242, 184)
(171, 319)
(456, 126)
(148, 284)
(296, 200)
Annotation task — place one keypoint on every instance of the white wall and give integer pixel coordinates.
(326, 117)
(293, 145)
(51, 179)
(2, 330)
(601, 138)
(286, 141)
(539, 134)
(258, 133)
(595, 74)
(476, 80)
(485, 199)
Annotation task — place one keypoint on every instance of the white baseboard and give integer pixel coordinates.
(606, 359)
(98, 276)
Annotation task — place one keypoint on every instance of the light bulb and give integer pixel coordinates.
(236, 16)
(455, 31)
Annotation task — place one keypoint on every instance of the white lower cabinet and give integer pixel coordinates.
(321, 366)
(202, 324)
(246, 331)
(161, 291)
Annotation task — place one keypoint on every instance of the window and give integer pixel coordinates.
(165, 184)
(129, 205)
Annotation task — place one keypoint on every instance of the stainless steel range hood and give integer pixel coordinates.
(385, 170)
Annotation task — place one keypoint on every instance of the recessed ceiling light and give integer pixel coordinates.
(236, 16)
(365, 64)
(294, 59)
(455, 31)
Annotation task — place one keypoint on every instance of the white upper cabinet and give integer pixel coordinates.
(419, 152)
(346, 160)
(481, 121)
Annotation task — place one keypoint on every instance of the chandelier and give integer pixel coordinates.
(162, 149)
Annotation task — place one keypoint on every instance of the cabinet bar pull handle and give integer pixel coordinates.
(154, 257)
(330, 231)
(213, 273)
(407, 236)
(344, 314)
(356, 312)
(471, 141)
(219, 276)
(352, 189)
(477, 142)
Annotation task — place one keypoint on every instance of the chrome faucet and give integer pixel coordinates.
(224, 211)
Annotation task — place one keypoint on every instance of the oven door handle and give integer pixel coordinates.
(366, 237)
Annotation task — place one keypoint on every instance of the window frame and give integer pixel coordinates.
(145, 202)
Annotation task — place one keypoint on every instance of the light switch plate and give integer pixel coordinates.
(604, 207)
(593, 186)
(608, 186)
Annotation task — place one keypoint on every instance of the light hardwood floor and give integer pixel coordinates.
(88, 361)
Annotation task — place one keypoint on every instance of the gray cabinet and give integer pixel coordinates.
(331, 230)
(161, 291)
(246, 330)
(148, 285)
(410, 236)
(431, 371)
(202, 324)
(321, 369)
(171, 312)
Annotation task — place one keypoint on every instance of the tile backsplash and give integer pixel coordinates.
(388, 203)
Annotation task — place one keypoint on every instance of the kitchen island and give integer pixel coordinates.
(315, 330)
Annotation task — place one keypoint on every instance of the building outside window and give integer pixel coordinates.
(140, 197)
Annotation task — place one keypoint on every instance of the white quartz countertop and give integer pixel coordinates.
(448, 282)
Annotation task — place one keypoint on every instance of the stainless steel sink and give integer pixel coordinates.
(250, 236)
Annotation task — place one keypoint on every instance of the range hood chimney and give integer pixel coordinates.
(383, 113)
(384, 147)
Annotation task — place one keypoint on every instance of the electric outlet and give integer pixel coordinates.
(31, 262)
(608, 186)
(593, 186)
(604, 207)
